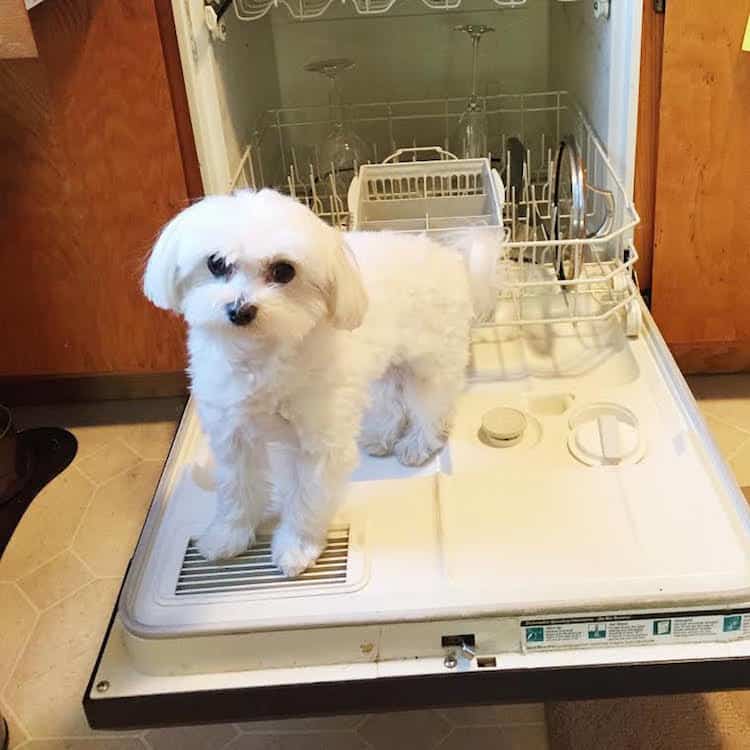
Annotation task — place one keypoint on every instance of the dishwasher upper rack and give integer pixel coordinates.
(302, 10)
(599, 277)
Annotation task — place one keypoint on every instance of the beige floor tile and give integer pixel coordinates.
(45, 688)
(725, 396)
(17, 618)
(93, 743)
(49, 704)
(410, 730)
(97, 425)
(55, 580)
(211, 737)
(111, 526)
(740, 465)
(90, 438)
(315, 741)
(48, 526)
(473, 738)
(514, 713)
(529, 737)
(112, 459)
(146, 426)
(727, 437)
(314, 724)
(94, 438)
(16, 735)
(83, 420)
(150, 440)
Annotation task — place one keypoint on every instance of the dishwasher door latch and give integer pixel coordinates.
(461, 651)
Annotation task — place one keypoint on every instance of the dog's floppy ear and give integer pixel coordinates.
(347, 299)
(160, 278)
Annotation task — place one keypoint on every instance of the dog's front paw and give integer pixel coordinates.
(417, 447)
(223, 539)
(292, 554)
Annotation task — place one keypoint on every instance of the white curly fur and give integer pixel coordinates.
(369, 340)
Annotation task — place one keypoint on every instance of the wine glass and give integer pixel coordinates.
(342, 150)
(470, 138)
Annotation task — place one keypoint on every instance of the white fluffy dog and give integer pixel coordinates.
(302, 340)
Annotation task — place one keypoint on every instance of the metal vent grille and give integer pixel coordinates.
(254, 571)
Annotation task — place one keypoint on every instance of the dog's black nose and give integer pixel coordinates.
(241, 314)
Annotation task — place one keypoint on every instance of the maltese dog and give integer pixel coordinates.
(303, 341)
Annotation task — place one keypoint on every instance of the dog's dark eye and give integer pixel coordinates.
(281, 272)
(218, 266)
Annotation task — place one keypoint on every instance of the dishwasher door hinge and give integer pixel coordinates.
(602, 9)
(213, 11)
(660, 6)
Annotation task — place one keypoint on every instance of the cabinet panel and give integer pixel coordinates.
(90, 168)
(701, 280)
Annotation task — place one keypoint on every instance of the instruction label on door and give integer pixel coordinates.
(635, 629)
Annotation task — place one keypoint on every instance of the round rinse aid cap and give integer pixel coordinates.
(503, 427)
(605, 434)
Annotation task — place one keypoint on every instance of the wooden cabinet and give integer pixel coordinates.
(700, 215)
(96, 154)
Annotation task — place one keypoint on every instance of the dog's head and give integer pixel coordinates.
(258, 265)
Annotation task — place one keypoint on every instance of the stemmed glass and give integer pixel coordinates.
(342, 150)
(470, 138)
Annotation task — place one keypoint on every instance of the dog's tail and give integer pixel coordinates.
(481, 250)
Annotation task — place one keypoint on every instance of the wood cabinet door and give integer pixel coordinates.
(91, 167)
(701, 265)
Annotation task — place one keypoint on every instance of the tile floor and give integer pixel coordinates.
(61, 572)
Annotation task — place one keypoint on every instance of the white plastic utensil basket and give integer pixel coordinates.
(443, 194)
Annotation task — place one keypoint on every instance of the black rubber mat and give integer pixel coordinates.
(45, 451)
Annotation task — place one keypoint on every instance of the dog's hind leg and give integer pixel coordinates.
(429, 396)
(384, 421)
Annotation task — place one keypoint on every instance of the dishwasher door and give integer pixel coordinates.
(683, 629)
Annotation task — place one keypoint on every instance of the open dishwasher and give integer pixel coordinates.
(579, 535)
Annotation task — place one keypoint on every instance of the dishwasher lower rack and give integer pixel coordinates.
(540, 280)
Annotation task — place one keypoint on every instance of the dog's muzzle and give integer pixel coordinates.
(241, 313)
